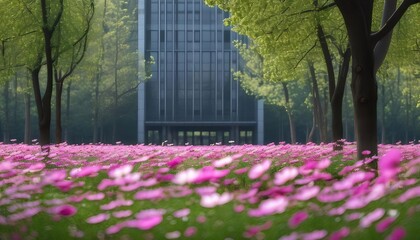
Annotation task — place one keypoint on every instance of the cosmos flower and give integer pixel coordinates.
(297, 219)
(258, 170)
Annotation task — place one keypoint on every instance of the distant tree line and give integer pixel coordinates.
(69, 71)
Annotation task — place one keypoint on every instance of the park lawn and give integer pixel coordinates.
(207, 192)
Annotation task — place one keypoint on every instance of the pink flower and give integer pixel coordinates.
(259, 169)
(190, 231)
(64, 185)
(297, 219)
(292, 236)
(326, 195)
(315, 235)
(89, 171)
(215, 199)
(35, 167)
(201, 219)
(366, 152)
(208, 173)
(51, 177)
(388, 165)
(409, 194)
(340, 234)
(397, 234)
(122, 214)
(175, 162)
(306, 193)
(146, 219)
(186, 176)
(239, 208)
(63, 210)
(372, 217)
(114, 228)
(98, 218)
(120, 171)
(383, 225)
(182, 213)
(152, 194)
(173, 235)
(116, 203)
(254, 230)
(269, 207)
(241, 171)
(223, 162)
(207, 190)
(285, 175)
(95, 196)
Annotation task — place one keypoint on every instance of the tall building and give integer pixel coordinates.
(192, 96)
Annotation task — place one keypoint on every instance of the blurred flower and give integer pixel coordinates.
(297, 219)
(215, 199)
(397, 234)
(120, 171)
(182, 213)
(190, 231)
(175, 162)
(375, 215)
(340, 234)
(389, 165)
(63, 210)
(223, 162)
(315, 235)
(269, 207)
(98, 218)
(285, 175)
(383, 225)
(186, 176)
(259, 169)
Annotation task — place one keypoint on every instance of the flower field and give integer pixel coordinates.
(208, 192)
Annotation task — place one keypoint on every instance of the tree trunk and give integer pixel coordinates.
(358, 18)
(15, 104)
(45, 118)
(6, 126)
(27, 99)
(313, 128)
(116, 60)
(383, 130)
(58, 107)
(289, 114)
(319, 115)
(337, 102)
(96, 111)
(67, 121)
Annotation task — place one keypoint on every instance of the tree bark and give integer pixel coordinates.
(116, 61)
(27, 99)
(96, 111)
(289, 114)
(6, 126)
(67, 121)
(383, 129)
(58, 107)
(319, 115)
(48, 27)
(358, 17)
(337, 102)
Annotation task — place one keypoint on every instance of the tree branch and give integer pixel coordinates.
(392, 21)
(304, 55)
(318, 9)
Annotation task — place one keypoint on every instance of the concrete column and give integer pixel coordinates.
(141, 110)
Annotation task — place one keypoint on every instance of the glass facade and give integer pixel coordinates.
(192, 97)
